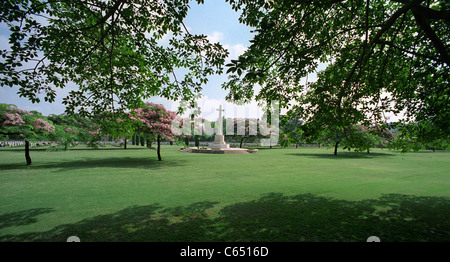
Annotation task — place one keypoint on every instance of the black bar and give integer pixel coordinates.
(226, 251)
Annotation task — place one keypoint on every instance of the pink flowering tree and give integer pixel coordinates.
(67, 136)
(24, 125)
(72, 130)
(117, 125)
(67, 131)
(92, 137)
(153, 119)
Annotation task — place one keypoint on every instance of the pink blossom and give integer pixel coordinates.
(44, 125)
(156, 119)
(21, 111)
(93, 133)
(71, 130)
(14, 119)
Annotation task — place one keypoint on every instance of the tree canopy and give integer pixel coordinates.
(23, 125)
(116, 52)
(380, 57)
(153, 119)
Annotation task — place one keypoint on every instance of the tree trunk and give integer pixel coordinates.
(270, 139)
(242, 140)
(125, 143)
(27, 152)
(158, 150)
(335, 148)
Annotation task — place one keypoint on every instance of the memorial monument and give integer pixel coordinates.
(219, 146)
(219, 138)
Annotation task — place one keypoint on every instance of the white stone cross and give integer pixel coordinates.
(220, 121)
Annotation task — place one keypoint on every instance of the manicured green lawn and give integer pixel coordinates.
(304, 194)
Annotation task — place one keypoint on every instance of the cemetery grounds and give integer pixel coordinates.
(293, 194)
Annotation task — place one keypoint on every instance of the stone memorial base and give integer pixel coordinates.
(219, 142)
(219, 147)
(219, 150)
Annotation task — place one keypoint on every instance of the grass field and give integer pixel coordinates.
(303, 194)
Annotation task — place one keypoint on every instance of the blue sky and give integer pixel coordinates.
(214, 18)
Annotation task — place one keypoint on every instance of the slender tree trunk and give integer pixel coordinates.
(242, 140)
(270, 139)
(27, 152)
(125, 143)
(158, 150)
(336, 147)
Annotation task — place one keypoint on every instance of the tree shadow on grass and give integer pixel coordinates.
(274, 217)
(22, 218)
(343, 155)
(112, 162)
(76, 148)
